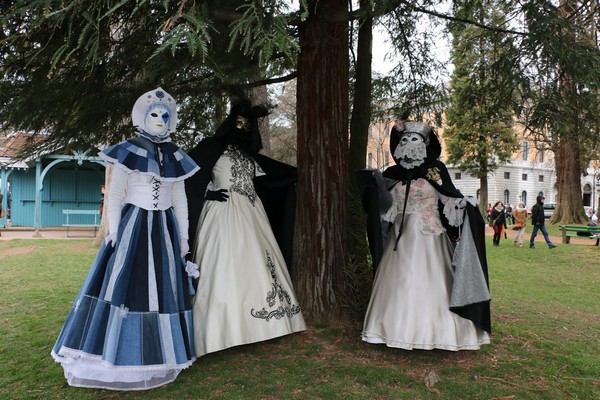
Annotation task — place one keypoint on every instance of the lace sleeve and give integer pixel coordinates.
(454, 209)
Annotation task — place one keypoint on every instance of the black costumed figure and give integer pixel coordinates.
(242, 207)
(130, 327)
(428, 293)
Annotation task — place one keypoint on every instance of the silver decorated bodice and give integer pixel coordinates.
(422, 200)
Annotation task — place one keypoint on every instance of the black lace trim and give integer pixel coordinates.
(287, 309)
(156, 184)
(242, 173)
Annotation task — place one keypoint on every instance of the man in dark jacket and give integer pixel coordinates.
(537, 220)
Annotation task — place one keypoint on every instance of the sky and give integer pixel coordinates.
(381, 49)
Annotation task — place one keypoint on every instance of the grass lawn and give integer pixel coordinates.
(545, 341)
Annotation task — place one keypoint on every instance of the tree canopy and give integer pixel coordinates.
(74, 69)
(480, 136)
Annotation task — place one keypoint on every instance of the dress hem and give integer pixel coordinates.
(199, 354)
(376, 339)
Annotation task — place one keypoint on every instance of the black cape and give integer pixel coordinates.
(276, 189)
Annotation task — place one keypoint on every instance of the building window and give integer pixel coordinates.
(457, 175)
(524, 197)
(507, 175)
(541, 152)
(370, 160)
(506, 197)
(524, 177)
(525, 146)
(541, 178)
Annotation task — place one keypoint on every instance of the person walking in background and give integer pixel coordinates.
(498, 221)
(101, 208)
(489, 212)
(509, 215)
(520, 221)
(538, 222)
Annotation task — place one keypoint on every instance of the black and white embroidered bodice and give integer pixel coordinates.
(235, 172)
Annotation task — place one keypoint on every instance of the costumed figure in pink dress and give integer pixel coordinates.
(430, 289)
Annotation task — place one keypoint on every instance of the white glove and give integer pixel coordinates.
(110, 239)
(192, 270)
(184, 247)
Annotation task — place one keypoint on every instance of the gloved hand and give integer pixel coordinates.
(217, 195)
(184, 247)
(110, 239)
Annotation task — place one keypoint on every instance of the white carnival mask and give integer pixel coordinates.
(155, 112)
(411, 150)
(157, 120)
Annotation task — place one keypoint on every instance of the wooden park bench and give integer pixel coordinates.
(92, 224)
(580, 231)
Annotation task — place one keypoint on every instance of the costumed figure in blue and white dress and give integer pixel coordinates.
(428, 292)
(130, 327)
(242, 207)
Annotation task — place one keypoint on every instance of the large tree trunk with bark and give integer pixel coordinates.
(483, 196)
(569, 203)
(103, 231)
(322, 113)
(359, 270)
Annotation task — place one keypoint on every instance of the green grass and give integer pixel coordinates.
(545, 342)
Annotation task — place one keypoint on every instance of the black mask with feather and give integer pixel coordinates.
(240, 128)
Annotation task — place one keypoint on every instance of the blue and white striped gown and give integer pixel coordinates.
(130, 327)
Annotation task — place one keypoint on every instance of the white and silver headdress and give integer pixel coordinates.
(152, 98)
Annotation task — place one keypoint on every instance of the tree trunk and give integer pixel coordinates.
(322, 112)
(483, 182)
(103, 231)
(358, 269)
(483, 196)
(569, 203)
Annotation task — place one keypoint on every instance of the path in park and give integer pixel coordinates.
(58, 233)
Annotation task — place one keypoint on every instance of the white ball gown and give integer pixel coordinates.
(244, 293)
(409, 305)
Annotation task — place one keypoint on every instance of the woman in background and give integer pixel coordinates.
(498, 222)
(520, 217)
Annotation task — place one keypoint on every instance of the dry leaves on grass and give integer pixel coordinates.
(18, 251)
(431, 378)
